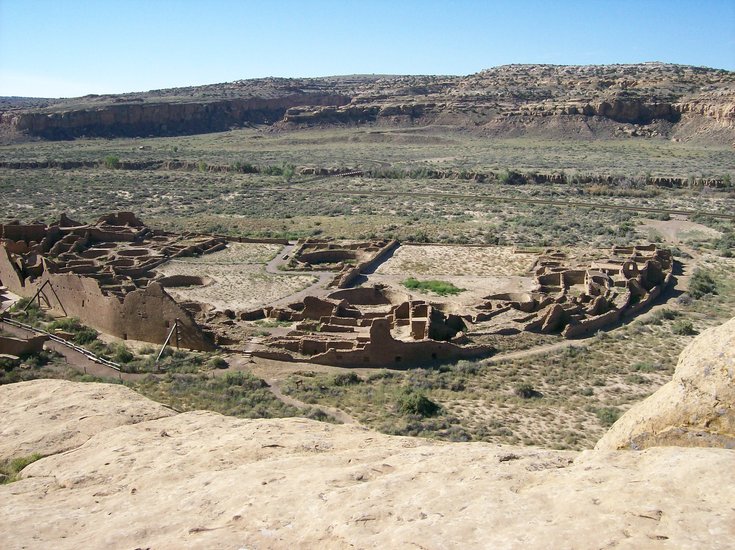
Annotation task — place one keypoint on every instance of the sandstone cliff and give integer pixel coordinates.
(669, 100)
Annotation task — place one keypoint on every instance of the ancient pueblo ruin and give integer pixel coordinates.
(111, 276)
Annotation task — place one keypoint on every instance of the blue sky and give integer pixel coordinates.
(64, 48)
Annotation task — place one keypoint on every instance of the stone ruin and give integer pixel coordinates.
(105, 275)
(367, 326)
(579, 299)
(349, 260)
(377, 326)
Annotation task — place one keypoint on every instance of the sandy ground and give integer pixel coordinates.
(239, 280)
(237, 253)
(475, 288)
(678, 230)
(424, 261)
(480, 271)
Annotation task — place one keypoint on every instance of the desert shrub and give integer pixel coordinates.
(702, 284)
(511, 177)
(646, 367)
(526, 391)
(725, 245)
(346, 379)
(636, 379)
(216, 363)
(244, 168)
(27, 312)
(315, 413)
(112, 162)
(286, 170)
(6, 363)
(37, 360)
(381, 375)
(467, 367)
(413, 402)
(442, 288)
(81, 335)
(120, 353)
(663, 315)
(683, 327)
(244, 380)
(607, 415)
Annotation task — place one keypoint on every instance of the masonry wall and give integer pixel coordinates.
(21, 346)
(146, 315)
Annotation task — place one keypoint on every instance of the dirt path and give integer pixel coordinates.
(243, 363)
(334, 412)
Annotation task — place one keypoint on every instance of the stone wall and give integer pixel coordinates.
(13, 345)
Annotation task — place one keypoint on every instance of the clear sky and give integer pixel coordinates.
(64, 48)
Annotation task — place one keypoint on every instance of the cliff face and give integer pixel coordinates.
(496, 100)
(161, 118)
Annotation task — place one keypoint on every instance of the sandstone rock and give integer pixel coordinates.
(202, 480)
(695, 409)
(53, 416)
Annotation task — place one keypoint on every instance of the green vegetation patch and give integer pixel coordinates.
(442, 288)
(702, 283)
(10, 469)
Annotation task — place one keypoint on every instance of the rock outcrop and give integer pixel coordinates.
(202, 480)
(649, 99)
(54, 416)
(695, 409)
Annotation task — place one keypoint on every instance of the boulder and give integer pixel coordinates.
(695, 409)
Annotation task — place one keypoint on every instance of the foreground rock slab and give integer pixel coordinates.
(53, 416)
(202, 480)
